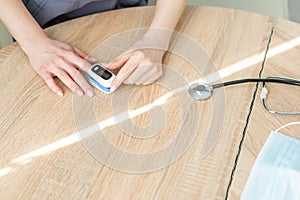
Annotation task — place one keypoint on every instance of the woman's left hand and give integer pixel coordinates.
(141, 66)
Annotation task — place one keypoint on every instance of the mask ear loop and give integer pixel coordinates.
(286, 125)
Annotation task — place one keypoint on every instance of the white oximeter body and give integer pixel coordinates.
(100, 78)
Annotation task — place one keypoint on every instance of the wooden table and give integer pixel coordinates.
(42, 155)
(282, 60)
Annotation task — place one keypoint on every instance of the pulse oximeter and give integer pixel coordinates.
(100, 78)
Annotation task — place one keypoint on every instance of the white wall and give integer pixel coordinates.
(294, 10)
(276, 8)
(5, 38)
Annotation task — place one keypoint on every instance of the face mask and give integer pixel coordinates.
(276, 171)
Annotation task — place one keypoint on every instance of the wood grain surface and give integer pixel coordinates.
(43, 157)
(282, 60)
(5, 51)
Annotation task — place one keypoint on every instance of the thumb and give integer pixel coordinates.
(118, 62)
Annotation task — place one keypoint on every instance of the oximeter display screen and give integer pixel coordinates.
(100, 71)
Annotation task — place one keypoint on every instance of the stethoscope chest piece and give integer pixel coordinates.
(200, 91)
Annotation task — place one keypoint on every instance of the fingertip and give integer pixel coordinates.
(90, 92)
(113, 88)
(118, 62)
(111, 66)
(59, 93)
(148, 83)
(79, 92)
(114, 85)
(52, 85)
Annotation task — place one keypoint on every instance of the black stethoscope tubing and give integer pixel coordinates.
(256, 80)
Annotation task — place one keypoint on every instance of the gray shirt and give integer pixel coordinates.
(46, 10)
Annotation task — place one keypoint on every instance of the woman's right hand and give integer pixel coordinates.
(52, 58)
(49, 58)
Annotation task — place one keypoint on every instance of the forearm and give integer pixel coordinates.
(167, 13)
(21, 24)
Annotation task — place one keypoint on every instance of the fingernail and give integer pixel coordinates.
(90, 93)
(59, 93)
(113, 88)
(79, 93)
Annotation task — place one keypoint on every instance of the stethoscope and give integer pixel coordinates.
(203, 91)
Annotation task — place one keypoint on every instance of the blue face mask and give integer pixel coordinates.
(276, 171)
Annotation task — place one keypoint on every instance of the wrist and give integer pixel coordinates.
(155, 38)
(30, 44)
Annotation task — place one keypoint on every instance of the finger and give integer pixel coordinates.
(105, 65)
(66, 79)
(73, 58)
(153, 74)
(150, 80)
(139, 72)
(51, 83)
(119, 62)
(125, 71)
(64, 46)
(79, 79)
(85, 55)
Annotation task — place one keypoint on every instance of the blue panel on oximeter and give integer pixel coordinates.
(98, 85)
(100, 78)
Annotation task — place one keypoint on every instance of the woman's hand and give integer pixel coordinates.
(142, 64)
(51, 58)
